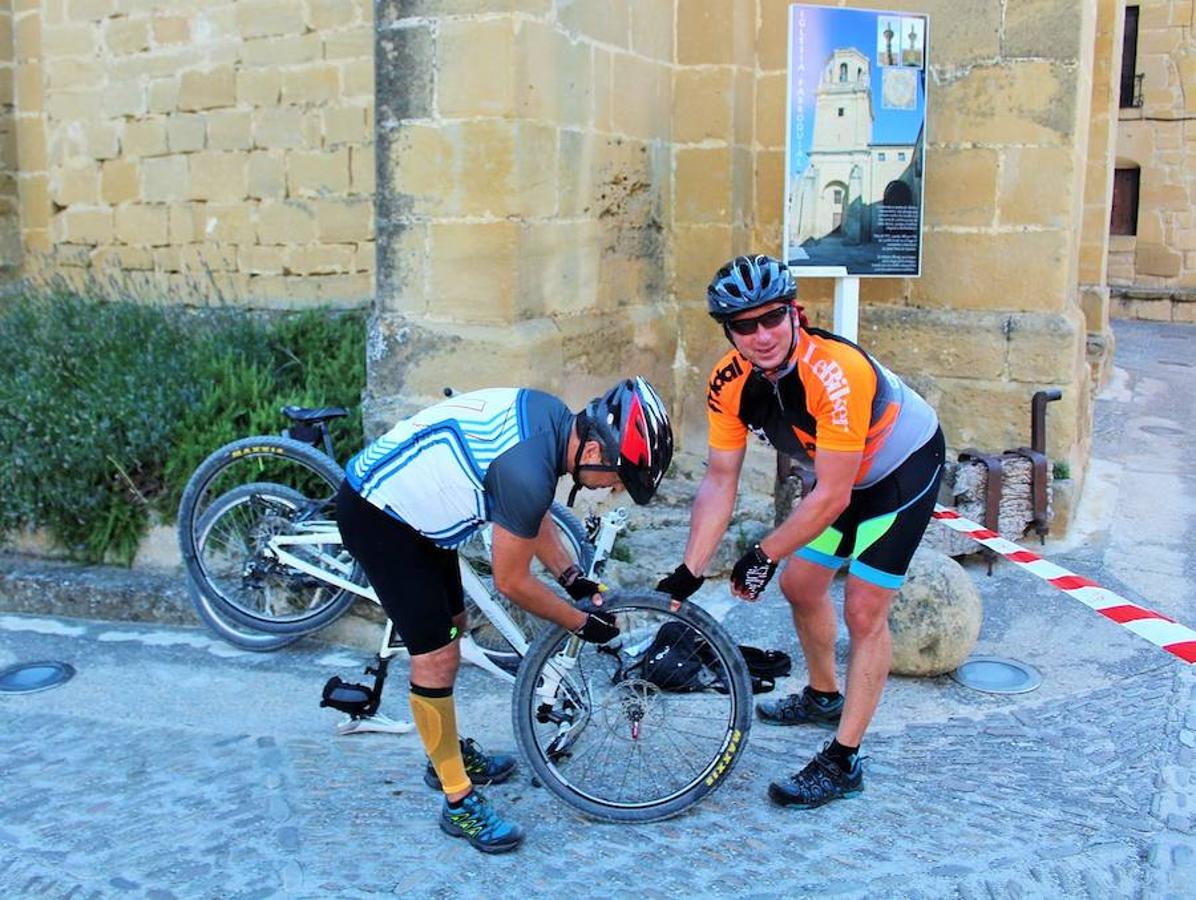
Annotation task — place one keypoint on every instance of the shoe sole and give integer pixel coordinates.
(782, 799)
(433, 782)
(820, 723)
(453, 831)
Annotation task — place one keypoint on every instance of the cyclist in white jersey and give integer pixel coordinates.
(414, 494)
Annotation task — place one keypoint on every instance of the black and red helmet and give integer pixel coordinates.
(632, 425)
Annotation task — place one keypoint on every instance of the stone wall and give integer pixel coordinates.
(526, 196)
(200, 150)
(555, 207)
(10, 218)
(1153, 273)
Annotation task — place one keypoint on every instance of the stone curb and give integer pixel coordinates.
(48, 587)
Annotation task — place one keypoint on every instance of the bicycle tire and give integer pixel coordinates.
(485, 635)
(225, 627)
(233, 632)
(198, 498)
(704, 778)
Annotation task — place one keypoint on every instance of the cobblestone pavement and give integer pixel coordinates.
(175, 766)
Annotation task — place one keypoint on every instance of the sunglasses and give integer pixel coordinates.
(770, 319)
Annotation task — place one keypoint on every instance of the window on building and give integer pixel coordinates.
(840, 112)
(881, 156)
(1124, 219)
(901, 156)
(1129, 59)
(842, 71)
(838, 195)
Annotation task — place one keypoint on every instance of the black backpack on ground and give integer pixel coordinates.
(679, 660)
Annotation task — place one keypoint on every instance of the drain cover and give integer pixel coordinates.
(28, 678)
(995, 675)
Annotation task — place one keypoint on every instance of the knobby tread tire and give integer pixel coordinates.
(191, 513)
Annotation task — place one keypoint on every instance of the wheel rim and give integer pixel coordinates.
(629, 742)
(231, 544)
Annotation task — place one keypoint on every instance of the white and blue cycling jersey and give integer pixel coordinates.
(487, 456)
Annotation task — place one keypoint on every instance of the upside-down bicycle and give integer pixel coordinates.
(267, 566)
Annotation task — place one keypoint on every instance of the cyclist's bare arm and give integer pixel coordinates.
(511, 558)
(550, 549)
(835, 471)
(712, 507)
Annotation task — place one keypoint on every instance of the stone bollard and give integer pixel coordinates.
(935, 617)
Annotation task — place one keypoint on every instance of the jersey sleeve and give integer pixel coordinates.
(520, 485)
(840, 391)
(723, 392)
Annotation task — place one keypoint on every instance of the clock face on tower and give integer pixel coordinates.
(899, 88)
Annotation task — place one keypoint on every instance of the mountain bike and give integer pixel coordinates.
(259, 538)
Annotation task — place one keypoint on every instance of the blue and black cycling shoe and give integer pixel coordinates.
(482, 768)
(478, 822)
(820, 782)
(801, 709)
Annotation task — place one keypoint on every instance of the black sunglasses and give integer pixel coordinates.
(770, 319)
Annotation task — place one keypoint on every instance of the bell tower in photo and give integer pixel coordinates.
(843, 110)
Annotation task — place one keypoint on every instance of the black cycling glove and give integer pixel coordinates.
(753, 572)
(577, 585)
(680, 584)
(599, 628)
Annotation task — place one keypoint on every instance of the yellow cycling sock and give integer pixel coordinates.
(436, 720)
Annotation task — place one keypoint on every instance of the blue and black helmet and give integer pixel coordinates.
(747, 282)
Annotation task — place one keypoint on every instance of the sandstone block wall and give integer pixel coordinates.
(1153, 273)
(557, 181)
(553, 209)
(197, 150)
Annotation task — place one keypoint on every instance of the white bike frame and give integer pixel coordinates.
(321, 535)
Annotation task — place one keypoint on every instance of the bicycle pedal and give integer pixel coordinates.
(357, 700)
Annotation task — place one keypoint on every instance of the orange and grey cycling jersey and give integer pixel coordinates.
(833, 396)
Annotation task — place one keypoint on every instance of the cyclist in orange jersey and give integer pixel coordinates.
(878, 453)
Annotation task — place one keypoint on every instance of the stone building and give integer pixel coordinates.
(1152, 250)
(538, 190)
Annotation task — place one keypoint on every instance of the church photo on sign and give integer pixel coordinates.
(856, 133)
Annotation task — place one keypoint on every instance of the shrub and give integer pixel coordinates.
(108, 407)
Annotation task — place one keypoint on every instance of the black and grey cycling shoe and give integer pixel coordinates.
(801, 709)
(482, 768)
(820, 782)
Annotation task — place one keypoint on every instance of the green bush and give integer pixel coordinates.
(108, 407)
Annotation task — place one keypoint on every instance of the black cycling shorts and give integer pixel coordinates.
(883, 525)
(418, 583)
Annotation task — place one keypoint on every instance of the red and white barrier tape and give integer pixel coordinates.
(1176, 639)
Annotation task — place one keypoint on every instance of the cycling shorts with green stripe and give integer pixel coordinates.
(882, 527)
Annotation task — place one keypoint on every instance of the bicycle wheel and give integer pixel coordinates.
(616, 746)
(250, 489)
(230, 539)
(233, 632)
(476, 552)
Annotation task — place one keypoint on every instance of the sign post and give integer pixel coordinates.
(847, 308)
(855, 145)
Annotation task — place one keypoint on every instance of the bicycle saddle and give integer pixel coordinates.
(308, 415)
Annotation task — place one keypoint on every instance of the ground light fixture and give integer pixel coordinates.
(29, 678)
(995, 675)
